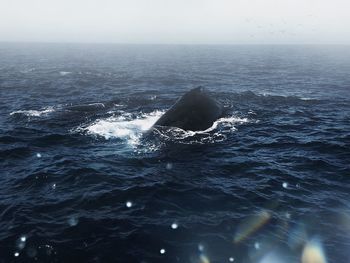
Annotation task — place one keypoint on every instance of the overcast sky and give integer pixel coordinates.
(177, 21)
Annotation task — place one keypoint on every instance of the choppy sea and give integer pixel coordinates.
(267, 183)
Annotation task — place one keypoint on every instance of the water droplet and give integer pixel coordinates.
(31, 252)
(257, 245)
(285, 185)
(21, 245)
(203, 259)
(174, 225)
(21, 242)
(231, 259)
(162, 251)
(200, 247)
(73, 221)
(128, 204)
(49, 249)
(169, 166)
(38, 155)
(313, 252)
(16, 254)
(54, 186)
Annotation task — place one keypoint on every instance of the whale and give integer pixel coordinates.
(196, 110)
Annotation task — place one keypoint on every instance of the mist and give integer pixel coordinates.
(176, 22)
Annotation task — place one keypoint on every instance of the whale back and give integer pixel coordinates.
(196, 110)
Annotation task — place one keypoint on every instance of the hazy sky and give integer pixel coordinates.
(177, 21)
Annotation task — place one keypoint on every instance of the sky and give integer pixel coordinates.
(176, 21)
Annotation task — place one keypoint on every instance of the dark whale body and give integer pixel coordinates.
(196, 111)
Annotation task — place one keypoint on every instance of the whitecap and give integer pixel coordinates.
(34, 113)
(226, 122)
(229, 122)
(28, 70)
(216, 133)
(97, 104)
(124, 126)
(64, 73)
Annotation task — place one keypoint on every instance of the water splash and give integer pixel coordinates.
(216, 133)
(124, 127)
(226, 122)
(130, 128)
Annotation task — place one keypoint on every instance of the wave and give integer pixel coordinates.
(34, 113)
(270, 98)
(81, 108)
(28, 70)
(216, 133)
(90, 107)
(227, 122)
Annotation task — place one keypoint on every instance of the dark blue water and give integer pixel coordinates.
(268, 183)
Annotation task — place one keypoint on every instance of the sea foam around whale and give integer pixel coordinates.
(130, 128)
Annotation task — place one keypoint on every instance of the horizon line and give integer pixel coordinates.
(170, 44)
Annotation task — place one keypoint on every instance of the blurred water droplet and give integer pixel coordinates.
(16, 254)
(21, 242)
(174, 225)
(38, 155)
(204, 259)
(169, 166)
(54, 186)
(21, 245)
(285, 185)
(128, 204)
(257, 245)
(31, 252)
(313, 252)
(162, 251)
(73, 221)
(48, 249)
(200, 247)
(231, 259)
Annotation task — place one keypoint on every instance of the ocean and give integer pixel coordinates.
(268, 182)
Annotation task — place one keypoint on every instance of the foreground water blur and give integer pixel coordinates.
(269, 182)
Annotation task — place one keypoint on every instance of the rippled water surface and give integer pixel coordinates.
(269, 182)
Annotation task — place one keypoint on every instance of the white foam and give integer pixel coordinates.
(131, 128)
(34, 113)
(64, 73)
(98, 104)
(217, 132)
(227, 122)
(28, 70)
(124, 127)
